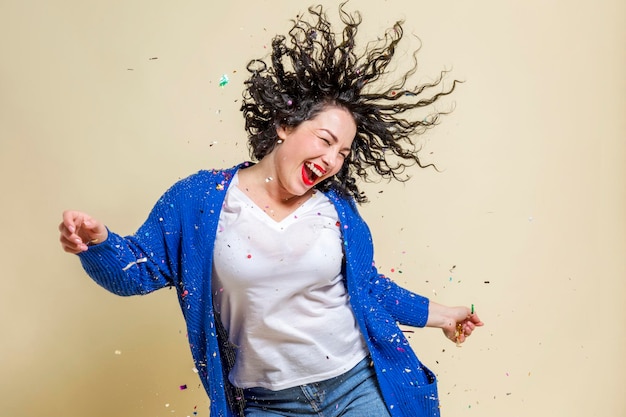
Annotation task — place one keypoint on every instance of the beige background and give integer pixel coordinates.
(526, 221)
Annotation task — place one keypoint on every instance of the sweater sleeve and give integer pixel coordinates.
(406, 307)
(121, 266)
(143, 262)
(403, 306)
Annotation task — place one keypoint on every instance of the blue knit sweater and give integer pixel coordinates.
(174, 247)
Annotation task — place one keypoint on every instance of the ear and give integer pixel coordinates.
(283, 131)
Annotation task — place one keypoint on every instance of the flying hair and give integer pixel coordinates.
(312, 67)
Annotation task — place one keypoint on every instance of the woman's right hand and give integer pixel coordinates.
(79, 230)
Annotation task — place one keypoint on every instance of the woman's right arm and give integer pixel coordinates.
(123, 265)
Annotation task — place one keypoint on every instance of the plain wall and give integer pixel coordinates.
(104, 105)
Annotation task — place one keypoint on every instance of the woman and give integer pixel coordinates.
(273, 266)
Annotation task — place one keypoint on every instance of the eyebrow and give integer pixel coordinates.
(330, 133)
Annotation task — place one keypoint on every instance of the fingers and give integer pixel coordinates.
(78, 230)
(462, 332)
(70, 241)
(470, 324)
(473, 320)
(71, 245)
(75, 221)
(465, 327)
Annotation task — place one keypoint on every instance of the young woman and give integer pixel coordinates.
(272, 263)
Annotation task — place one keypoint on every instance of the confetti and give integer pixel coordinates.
(138, 261)
(224, 80)
(459, 331)
(183, 387)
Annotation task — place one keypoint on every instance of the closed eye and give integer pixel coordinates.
(325, 140)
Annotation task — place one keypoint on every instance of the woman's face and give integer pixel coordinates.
(314, 150)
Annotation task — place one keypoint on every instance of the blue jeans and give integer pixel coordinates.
(353, 394)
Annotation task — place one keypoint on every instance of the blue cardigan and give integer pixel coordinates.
(174, 248)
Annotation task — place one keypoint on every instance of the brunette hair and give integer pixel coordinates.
(312, 68)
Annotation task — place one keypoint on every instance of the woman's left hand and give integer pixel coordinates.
(457, 323)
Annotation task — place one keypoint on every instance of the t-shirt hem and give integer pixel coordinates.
(303, 381)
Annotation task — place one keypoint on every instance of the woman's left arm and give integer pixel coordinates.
(406, 307)
(411, 309)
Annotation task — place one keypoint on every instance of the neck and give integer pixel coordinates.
(262, 176)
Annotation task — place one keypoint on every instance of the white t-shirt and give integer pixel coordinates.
(280, 293)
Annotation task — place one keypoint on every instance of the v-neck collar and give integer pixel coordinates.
(262, 214)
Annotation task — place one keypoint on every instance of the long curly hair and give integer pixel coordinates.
(313, 68)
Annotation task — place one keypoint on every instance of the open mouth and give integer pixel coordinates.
(311, 173)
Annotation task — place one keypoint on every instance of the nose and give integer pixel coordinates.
(330, 159)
